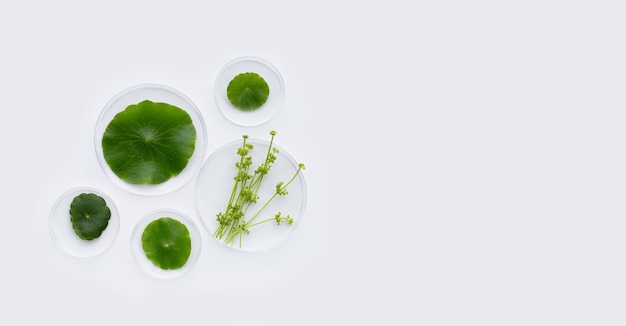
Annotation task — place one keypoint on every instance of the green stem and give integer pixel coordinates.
(255, 185)
(261, 222)
(220, 231)
(275, 194)
(262, 208)
(232, 194)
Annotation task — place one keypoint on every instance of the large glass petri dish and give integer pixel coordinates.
(215, 182)
(160, 94)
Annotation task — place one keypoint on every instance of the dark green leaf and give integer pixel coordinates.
(89, 215)
(148, 143)
(167, 243)
(248, 91)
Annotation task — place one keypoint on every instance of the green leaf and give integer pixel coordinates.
(89, 215)
(248, 91)
(167, 243)
(149, 142)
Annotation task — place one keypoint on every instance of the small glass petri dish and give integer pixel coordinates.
(215, 182)
(154, 93)
(63, 234)
(272, 77)
(142, 260)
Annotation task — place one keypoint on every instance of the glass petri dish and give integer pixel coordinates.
(266, 70)
(213, 189)
(63, 234)
(145, 264)
(155, 93)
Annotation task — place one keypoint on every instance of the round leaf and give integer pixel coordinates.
(149, 142)
(248, 91)
(89, 215)
(166, 242)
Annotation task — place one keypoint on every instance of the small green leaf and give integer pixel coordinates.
(89, 215)
(166, 242)
(149, 142)
(248, 91)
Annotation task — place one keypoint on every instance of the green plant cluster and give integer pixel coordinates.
(149, 142)
(235, 220)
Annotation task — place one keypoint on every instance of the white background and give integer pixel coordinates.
(465, 160)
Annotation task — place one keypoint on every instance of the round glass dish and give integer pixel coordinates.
(63, 234)
(273, 79)
(154, 93)
(145, 264)
(215, 182)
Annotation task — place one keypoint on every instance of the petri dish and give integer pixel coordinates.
(272, 77)
(63, 234)
(214, 184)
(140, 257)
(154, 93)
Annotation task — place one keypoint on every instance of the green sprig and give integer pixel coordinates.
(232, 221)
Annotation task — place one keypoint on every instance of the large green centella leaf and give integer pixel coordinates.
(248, 91)
(89, 215)
(166, 242)
(149, 142)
